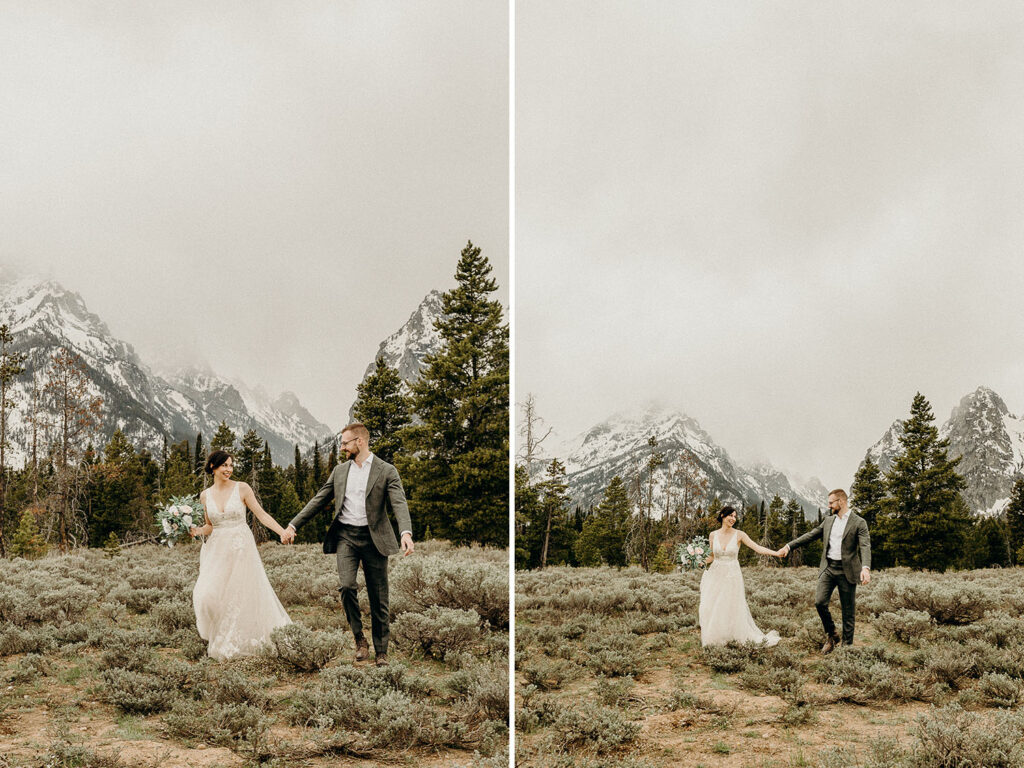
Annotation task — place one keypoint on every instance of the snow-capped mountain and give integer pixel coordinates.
(619, 446)
(43, 316)
(988, 439)
(407, 348)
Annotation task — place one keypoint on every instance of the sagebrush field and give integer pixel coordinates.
(102, 667)
(610, 672)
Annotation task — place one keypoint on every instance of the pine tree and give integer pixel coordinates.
(318, 468)
(1015, 521)
(455, 461)
(11, 366)
(794, 515)
(200, 460)
(603, 538)
(223, 439)
(776, 527)
(557, 543)
(250, 453)
(27, 541)
(528, 526)
(924, 519)
(383, 408)
(867, 496)
(300, 474)
(119, 502)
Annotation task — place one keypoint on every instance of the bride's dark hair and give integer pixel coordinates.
(724, 512)
(215, 459)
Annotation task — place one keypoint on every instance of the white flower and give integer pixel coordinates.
(700, 551)
(187, 520)
(690, 550)
(166, 525)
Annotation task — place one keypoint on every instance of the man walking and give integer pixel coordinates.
(364, 489)
(845, 557)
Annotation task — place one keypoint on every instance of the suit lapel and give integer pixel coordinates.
(849, 525)
(376, 468)
(343, 479)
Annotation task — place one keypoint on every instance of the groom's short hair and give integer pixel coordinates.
(840, 493)
(358, 429)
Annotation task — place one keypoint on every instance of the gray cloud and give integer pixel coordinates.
(784, 219)
(271, 187)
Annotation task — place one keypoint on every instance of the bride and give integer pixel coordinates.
(724, 615)
(236, 608)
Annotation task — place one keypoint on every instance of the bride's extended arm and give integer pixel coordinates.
(202, 530)
(755, 546)
(249, 498)
(711, 548)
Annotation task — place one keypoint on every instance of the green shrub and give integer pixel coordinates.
(437, 630)
(999, 690)
(171, 616)
(545, 674)
(945, 602)
(905, 625)
(138, 600)
(15, 640)
(729, 658)
(239, 726)
(137, 692)
(420, 583)
(952, 738)
(950, 665)
(302, 649)
(29, 667)
(867, 675)
(593, 727)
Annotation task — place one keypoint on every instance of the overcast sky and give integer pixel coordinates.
(271, 188)
(782, 218)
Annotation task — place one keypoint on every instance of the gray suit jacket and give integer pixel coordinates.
(384, 493)
(855, 546)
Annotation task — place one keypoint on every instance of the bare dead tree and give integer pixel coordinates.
(76, 414)
(530, 428)
(641, 541)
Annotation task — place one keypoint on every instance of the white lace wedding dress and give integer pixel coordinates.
(236, 608)
(723, 612)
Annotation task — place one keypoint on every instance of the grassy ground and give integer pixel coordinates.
(610, 672)
(100, 666)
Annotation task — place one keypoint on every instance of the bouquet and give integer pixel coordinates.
(177, 516)
(693, 554)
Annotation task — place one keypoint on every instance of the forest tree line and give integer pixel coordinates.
(916, 514)
(447, 433)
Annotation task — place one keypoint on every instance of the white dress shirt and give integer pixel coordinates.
(353, 507)
(835, 539)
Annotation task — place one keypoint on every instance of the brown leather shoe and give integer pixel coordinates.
(362, 649)
(382, 660)
(830, 645)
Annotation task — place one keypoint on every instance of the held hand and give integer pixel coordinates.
(784, 551)
(865, 576)
(288, 535)
(407, 545)
(193, 531)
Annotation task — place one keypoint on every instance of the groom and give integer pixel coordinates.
(847, 553)
(363, 489)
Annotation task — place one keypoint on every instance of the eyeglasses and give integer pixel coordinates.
(350, 440)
